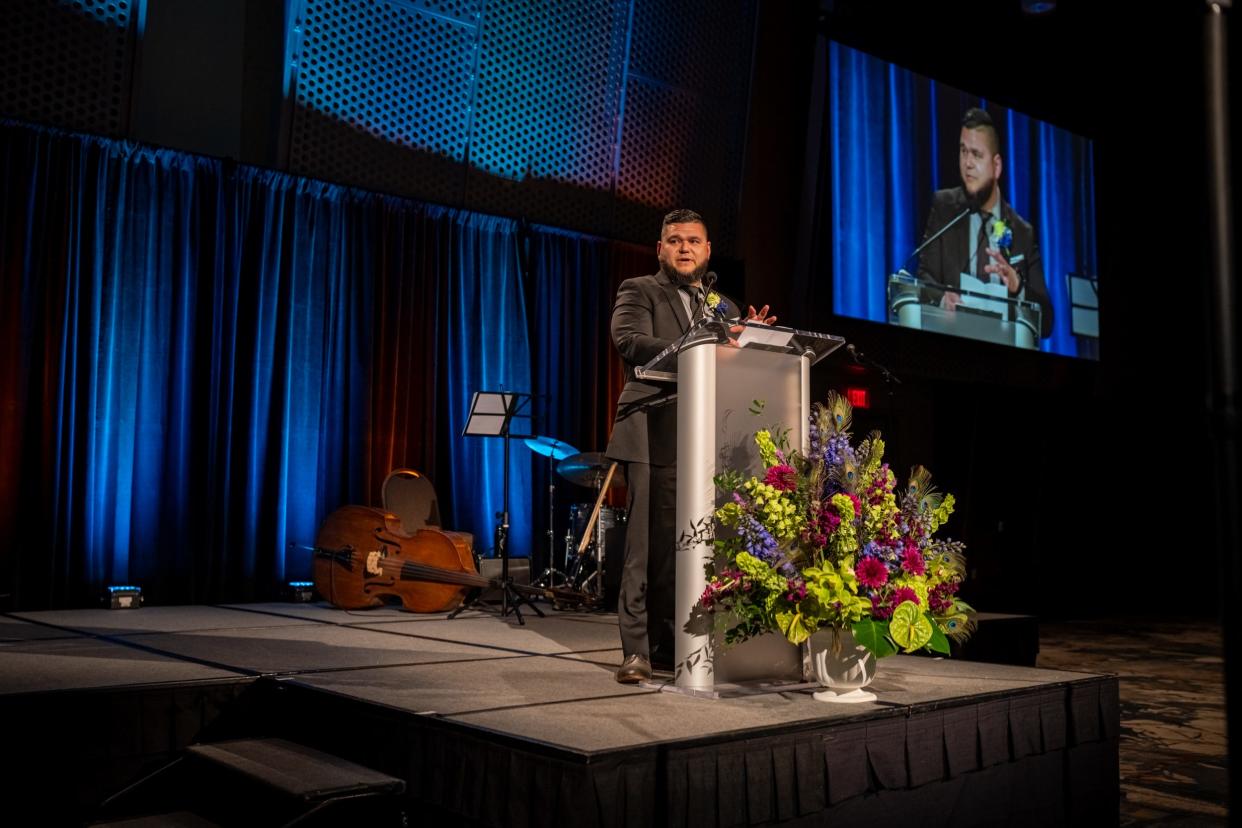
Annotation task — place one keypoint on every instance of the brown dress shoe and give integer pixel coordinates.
(634, 669)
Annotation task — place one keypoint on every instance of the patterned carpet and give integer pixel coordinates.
(1173, 748)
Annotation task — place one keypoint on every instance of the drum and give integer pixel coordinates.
(610, 517)
(598, 570)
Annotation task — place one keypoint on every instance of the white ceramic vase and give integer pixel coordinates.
(841, 665)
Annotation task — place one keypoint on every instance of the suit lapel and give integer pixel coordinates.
(674, 302)
(961, 242)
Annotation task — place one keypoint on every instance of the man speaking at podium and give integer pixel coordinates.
(651, 313)
(994, 244)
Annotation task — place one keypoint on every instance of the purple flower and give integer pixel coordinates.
(758, 541)
(782, 478)
(903, 594)
(871, 572)
(797, 590)
(912, 561)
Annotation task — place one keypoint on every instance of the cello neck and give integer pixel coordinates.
(411, 571)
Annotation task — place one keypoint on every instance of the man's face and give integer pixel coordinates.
(978, 163)
(684, 251)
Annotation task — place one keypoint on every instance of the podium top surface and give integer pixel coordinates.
(663, 366)
(903, 286)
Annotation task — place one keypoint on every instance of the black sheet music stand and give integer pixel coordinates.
(492, 414)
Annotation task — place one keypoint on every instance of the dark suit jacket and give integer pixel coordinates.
(947, 257)
(648, 317)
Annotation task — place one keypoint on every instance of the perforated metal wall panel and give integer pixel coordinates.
(384, 93)
(549, 81)
(685, 120)
(67, 62)
(517, 106)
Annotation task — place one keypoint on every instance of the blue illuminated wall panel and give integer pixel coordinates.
(383, 93)
(597, 115)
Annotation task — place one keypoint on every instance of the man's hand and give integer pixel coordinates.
(761, 316)
(1004, 270)
(949, 300)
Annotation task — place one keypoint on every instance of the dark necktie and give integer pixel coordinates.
(981, 250)
(696, 301)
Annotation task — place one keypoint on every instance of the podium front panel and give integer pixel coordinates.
(719, 389)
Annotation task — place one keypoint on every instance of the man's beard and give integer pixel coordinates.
(977, 200)
(695, 275)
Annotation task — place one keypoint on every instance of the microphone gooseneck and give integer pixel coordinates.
(933, 237)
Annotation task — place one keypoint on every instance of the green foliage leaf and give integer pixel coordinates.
(756, 406)
(873, 635)
(939, 642)
(729, 481)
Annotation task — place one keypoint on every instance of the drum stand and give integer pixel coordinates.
(593, 585)
(549, 576)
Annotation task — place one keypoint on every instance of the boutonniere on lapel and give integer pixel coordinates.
(1000, 236)
(716, 305)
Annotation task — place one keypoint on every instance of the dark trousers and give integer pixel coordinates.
(648, 575)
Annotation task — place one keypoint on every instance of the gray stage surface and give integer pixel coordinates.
(546, 691)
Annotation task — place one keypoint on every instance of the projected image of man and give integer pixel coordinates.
(994, 245)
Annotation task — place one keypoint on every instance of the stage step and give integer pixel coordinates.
(259, 782)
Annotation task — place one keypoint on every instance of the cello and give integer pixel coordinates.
(363, 556)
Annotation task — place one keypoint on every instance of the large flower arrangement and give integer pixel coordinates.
(826, 540)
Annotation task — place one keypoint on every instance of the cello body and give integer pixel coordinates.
(364, 558)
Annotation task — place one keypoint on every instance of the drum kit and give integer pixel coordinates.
(585, 546)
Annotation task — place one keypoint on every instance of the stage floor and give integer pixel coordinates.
(547, 688)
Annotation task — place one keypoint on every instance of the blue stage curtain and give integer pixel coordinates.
(892, 141)
(573, 365)
(193, 375)
(488, 349)
(873, 142)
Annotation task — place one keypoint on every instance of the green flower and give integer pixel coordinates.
(767, 448)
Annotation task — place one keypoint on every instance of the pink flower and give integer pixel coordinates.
(879, 609)
(857, 503)
(797, 590)
(707, 597)
(871, 573)
(912, 561)
(782, 477)
(939, 599)
(903, 594)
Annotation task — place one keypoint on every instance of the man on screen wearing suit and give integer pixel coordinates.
(1001, 253)
(652, 312)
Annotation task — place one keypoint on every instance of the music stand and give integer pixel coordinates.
(491, 415)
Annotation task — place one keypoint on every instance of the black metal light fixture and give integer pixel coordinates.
(122, 596)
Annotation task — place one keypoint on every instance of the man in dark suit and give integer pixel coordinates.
(652, 312)
(978, 244)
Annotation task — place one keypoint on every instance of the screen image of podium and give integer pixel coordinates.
(981, 315)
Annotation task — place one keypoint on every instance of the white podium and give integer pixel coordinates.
(719, 386)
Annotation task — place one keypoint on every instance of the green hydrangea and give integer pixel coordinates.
(941, 513)
(767, 448)
(777, 511)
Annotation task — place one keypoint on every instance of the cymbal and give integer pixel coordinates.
(589, 469)
(550, 447)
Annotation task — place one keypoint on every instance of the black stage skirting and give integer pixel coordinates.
(490, 723)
